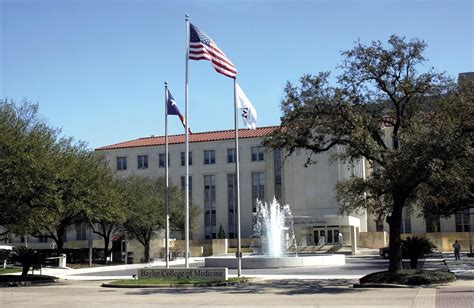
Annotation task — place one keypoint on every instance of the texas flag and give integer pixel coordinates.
(173, 109)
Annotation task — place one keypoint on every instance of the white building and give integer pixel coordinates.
(310, 191)
(263, 174)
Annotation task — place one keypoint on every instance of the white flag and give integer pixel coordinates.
(249, 114)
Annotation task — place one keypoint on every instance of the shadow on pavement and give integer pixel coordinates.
(278, 287)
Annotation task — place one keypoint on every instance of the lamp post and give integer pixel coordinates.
(470, 243)
(90, 244)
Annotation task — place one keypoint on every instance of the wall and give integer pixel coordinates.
(373, 239)
(445, 240)
(442, 240)
(198, 170)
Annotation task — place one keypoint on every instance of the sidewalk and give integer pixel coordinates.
(463, 269)
(297, 289)
(78, 274)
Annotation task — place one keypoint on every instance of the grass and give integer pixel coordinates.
(411, 277)
(169, 281)
(9, 270)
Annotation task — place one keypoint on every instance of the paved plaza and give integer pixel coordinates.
(305, 287)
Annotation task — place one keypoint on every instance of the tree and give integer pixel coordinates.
(107, 213)
(177, 217)
(387, 112)
(416, 247)
(221, 233)
(27, 177)
(77, 182)
(145, 208)
(451, 187)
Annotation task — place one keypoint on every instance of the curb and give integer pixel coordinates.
(382, 285)
(174, 285)
(27, 283)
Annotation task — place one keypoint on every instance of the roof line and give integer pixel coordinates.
(134, 143)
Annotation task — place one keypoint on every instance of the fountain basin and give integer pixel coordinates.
(261, 261)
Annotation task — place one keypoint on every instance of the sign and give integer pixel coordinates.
(219, 274)
(298, 221)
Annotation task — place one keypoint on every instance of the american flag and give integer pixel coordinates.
(201, 47)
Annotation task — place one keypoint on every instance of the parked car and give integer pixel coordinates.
(5, 250)
(384, 252)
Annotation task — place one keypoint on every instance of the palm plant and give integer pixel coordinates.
(26, 257)
(415, 247)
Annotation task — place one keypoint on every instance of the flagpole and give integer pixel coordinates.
(167, 231)
(186, 155)
(237, 182)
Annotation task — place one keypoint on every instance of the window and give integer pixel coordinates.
(210, 206)
(257, 153)
(121, 163)
(277, 171)
(231, 155)
(379, 225)
(433, 223)
(232, 205)
(406, 221)
(209, 157)
(161, 158)
(142, 161)
(258, 188)
(183, 186)
(81, 232)
(42, 239)
(462, 221)
(190, 158)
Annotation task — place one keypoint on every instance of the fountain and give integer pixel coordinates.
(274, 227)
(274, 223)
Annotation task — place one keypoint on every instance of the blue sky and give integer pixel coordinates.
(97, 68)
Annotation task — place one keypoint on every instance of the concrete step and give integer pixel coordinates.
(243, 249)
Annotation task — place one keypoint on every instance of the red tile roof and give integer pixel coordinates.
(194, 137)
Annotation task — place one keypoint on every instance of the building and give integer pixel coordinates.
(264, 174)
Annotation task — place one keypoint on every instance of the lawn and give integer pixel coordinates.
(9, 270)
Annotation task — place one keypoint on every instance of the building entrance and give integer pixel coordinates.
(326, 235)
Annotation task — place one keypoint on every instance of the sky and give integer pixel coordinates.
(97, 67)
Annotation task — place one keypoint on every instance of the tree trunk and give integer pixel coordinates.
(146, 245)
(106, 247)
(25, 268)
(414, 262)
(395, 248)
(106, 236)
(59, 241)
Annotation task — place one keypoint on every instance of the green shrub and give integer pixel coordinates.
(416, 247)
(26, 257)
(221, 233)
(408, 277)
